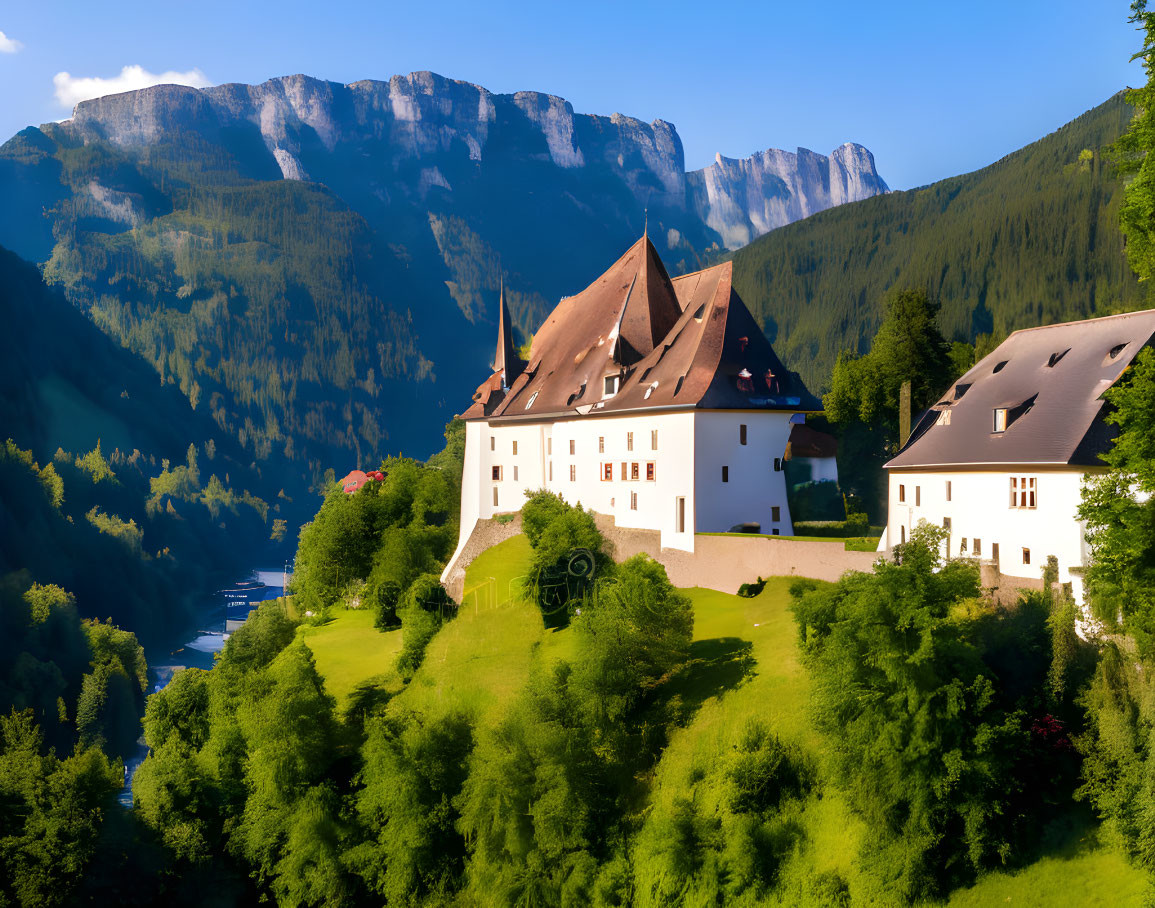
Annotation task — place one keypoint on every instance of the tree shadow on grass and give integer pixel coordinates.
(714, 667)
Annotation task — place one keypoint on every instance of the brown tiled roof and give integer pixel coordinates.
(1050, 380)
(689, 342)
(808, 442)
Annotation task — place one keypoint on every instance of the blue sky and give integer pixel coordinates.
(933, 89)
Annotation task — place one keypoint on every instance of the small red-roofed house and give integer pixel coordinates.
(354, 481)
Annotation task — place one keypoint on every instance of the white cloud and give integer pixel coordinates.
(9, 45)
(71, 90)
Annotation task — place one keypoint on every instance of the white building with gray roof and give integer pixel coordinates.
(1001, 459)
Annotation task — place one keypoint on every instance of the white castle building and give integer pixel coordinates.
(658, 402)
(1001, 460)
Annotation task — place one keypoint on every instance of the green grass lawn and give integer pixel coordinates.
(1095, 876)
(746, 664)
(480, 661)
(349, 650)
(728, 630)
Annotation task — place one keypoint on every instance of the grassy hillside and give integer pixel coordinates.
(745, 666)
(1032, 239)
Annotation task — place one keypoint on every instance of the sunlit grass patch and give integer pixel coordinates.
(349, 650)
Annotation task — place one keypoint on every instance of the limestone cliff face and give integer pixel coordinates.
(416, 129)
(743, 199)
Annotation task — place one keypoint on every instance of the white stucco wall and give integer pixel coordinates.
(754, 487)
(692, 447)
(980, 506)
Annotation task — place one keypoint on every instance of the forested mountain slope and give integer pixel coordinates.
(316, 265)
(1033, 239)
(111, 485)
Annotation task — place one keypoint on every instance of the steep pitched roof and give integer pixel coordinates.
(689, 342)
(1050, 381)
(505, 360)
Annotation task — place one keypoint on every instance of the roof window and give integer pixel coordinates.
(999, 366)
(678, 386)
(1055, 357)
(529, 403)
(1113, 353)
(1005, 416)
(961, 389)
(650, 390)
(699, 312)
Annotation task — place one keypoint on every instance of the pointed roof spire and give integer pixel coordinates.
(506, 360)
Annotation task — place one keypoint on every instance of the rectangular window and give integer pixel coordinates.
(492, 443)
(1026, 556)
(680, 515)
(572, 447)
(653, 439)
(917, 496)
(725, 474)
(611, 386)
(572, 473)
(495, 496)
(775, 513)
(651, 471)
(629, 441)
(515, 473)
(633, 501)
(901, 493)
(623, 471)
(1023, 492)
(902, 534)
(551, 471)
(635, 471)
(549, 445)
(774, 532)
(995, 552)
(601, 444)
(1000, 419)
(742, 434)
(977, 548)
(946, 524)
(607, 472)
(777, 464)
(515, 446)
(962, 548)
(496, 474)
(948, 490)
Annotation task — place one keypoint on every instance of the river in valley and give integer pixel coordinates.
(223, 613)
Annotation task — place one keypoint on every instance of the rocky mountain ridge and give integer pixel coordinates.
(317, 264)
(424, 115)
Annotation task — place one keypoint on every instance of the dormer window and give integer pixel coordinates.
(1055, 357)
(999, 366)
(1004, 416)
(611, 386)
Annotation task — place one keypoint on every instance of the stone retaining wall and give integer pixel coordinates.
(721, 563)
(485, 535)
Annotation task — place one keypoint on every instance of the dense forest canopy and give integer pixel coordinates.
(1032, 239)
